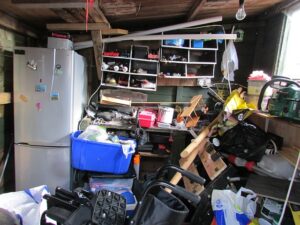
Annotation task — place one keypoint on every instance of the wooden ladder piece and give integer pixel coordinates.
(212, 168)
(193, 186)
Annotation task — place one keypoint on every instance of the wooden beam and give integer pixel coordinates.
(65, 15)
(97, 43)
(36, 4)
(115, 31)
(76, 26)
(194, 11)
(5, 98)
(97, 8)
(13, 24)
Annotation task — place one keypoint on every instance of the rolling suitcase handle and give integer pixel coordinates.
(194, 199)
(185, 173)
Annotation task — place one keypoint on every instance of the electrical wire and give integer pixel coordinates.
(94, 94)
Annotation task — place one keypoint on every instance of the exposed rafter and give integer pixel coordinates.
(50, 3)
(197, 6)
(76, 26)
(66, 15)
(11, 23)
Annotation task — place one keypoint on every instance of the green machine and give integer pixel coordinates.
(285, 101)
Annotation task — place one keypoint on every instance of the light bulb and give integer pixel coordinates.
(240, 14)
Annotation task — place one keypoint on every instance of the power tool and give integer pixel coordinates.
(285, 100)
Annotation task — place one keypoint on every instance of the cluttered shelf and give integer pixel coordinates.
(277, 118)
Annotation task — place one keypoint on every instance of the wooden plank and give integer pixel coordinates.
(76, 26)
(5, 98)
(114, 31)
(176, 82)
(212, 168)
(65, 15)
(204, 133)
(194, 11)
(114, 101)
(274, 188)
(193, 104)
(97, 40)
(193, 186)
(36, 4)
(185, 163)
(97, 8)
(11, 23)
(290, 154)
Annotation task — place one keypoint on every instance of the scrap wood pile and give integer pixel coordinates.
(230, 139)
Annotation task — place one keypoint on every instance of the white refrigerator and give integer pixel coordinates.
(50, 92)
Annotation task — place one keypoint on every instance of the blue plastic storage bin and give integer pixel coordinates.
(197, 43)
(174, 42)
(99, 157)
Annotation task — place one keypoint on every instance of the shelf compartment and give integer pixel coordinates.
(120, 79)
(211, 44)
(146, 67)
(200, 71)
(171, 69)
(121, 47)
(202, 56)
(137, 82)
(174, 55)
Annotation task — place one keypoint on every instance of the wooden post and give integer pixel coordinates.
(97, 42)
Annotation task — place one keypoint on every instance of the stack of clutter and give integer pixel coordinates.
(256, 81)
(108, 156)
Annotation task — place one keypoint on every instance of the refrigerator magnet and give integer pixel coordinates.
(58, 70)
(23, 98)
(38, 106)
(54, 95)
(40, 88)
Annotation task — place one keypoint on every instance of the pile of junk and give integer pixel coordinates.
(231, 173)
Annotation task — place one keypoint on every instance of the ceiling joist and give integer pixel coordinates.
(194, 11)
(13, 24)
(76, 26)
(50, 3)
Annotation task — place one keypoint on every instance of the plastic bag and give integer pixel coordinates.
(230, 61)
(28, 205)
(232, 208)
(94, 133)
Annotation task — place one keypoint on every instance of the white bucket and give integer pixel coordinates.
(165, 114)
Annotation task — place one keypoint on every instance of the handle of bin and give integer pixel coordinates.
(194, 199)
(188, 174)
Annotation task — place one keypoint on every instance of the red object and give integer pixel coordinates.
(146, 119)
(153, 56)
(111, 53)
(58, 35)
(250, 165)
(89, 3)
(214, 222)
